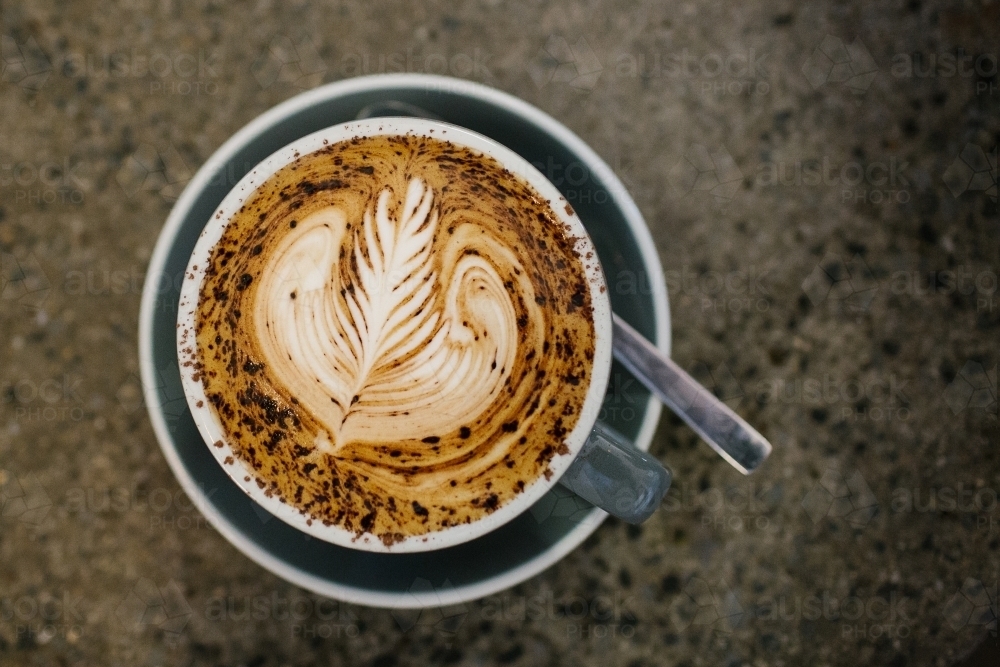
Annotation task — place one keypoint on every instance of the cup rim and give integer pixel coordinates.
(175, 222)
(207, 420)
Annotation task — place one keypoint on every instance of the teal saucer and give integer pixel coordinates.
(520, 549)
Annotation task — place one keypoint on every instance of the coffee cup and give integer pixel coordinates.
(597, 463)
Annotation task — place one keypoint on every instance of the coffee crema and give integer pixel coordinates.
(396, 335)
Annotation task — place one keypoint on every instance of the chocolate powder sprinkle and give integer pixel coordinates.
(371, 487)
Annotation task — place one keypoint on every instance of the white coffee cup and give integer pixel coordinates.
(583, 433)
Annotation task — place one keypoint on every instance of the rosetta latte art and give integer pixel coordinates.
(396, 336)
(385, 348)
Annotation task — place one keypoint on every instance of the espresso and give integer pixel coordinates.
(396, 334)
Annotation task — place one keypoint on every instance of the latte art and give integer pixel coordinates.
(384, 348)
(396, 335)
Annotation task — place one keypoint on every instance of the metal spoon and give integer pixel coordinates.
(724, 430)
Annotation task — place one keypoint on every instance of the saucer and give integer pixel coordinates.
(520, 549)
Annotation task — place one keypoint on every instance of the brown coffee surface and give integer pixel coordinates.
(396, 334)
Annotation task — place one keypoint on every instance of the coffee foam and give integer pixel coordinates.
(396, 335)
(388, 349)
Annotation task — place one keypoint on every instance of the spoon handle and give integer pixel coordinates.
(724, 430)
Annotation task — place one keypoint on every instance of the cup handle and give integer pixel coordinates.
(613, 474)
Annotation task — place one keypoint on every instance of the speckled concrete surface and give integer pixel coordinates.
(821, 184)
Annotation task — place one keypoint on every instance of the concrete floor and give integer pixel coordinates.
(821, 183)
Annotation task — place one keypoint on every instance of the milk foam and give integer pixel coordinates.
(398, 343)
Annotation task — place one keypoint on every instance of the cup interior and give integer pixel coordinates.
(533, 541)
(208, 422)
